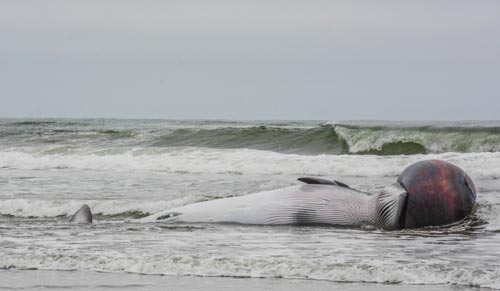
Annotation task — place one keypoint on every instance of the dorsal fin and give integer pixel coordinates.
(311, 180)
(83, 215)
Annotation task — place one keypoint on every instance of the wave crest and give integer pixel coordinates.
(382, 138)
(421, 140)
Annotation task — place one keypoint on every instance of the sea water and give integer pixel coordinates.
(128, 169)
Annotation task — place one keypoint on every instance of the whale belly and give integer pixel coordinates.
(246, 209)
(303, 204)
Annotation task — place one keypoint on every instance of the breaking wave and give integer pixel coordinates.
(376, 138)
(342, 139)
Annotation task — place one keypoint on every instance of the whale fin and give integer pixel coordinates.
(310, 180)
(83, 215)
(391, 204)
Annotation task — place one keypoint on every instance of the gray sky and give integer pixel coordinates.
(252, 59)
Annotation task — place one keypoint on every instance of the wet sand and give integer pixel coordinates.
(80, 280)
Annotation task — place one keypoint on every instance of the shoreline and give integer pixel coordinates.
(15, 279)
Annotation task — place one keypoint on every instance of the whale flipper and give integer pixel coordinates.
(320, 181)
(83, 215)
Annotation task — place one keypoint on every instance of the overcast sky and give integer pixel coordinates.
(251, 59)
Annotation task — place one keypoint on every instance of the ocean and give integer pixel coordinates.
(128, 169)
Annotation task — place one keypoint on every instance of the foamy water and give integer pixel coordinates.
(127, 169)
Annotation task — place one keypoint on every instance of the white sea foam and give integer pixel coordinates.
(331, 269)
(203, 160)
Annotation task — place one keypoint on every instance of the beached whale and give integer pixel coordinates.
(427, 193)
(82, 215)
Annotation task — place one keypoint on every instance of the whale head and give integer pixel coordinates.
(439, 193)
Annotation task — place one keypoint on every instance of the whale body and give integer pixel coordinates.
(427, 193)
(308, 204)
